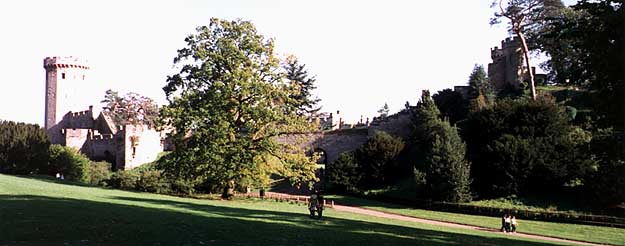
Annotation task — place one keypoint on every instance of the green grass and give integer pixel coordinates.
(588, 233)
(537, 204)
(36, 211)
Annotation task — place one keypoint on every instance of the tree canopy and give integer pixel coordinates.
(132, 108)
(226, 106)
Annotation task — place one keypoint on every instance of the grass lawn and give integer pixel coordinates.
(588, 233)
(35, 211)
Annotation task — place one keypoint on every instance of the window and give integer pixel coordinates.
(63, 76)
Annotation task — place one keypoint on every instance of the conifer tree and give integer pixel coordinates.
(441, 153)
(480, 91)
(302, 85)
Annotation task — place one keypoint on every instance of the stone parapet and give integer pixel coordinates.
(65, 62)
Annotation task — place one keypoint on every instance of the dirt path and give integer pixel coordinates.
(379, 214)
(449, 224)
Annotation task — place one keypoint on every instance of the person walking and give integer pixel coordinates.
(508, 221)
(313, 204)
(503, 222)
(513, 223)
(320, 203)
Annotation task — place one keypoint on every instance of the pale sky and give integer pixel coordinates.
(364, 53)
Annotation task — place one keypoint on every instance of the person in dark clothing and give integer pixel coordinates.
(319, 204)
(503, 222)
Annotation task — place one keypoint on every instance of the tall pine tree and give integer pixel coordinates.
(302, 85)
(481, 93)
(441, 153)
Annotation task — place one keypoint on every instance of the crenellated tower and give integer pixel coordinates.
(66, 83)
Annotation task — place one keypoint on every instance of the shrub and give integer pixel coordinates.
(122, 179)
(523, 146)
(152, 181)
(99, 173)
(343, 174)
(23, 148)
(377, 160)
(70, 163)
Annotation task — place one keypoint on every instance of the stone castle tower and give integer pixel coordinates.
(507, 68)
(66, 84)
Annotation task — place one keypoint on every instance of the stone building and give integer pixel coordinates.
(126, 146)
(508, 70)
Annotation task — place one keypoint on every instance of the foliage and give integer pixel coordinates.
(23, 148)
(152, 181)
(99, 173)
(377, 159)
(521, 146)
(451, 105)
(384, 111)
(481, 93)
(226, 106)
(585, 44)
(447, 175)
(604, 187)
(122, 179)
(343, 175)
(440, 154)
(131, 109)
(70, 163)
(302, 85)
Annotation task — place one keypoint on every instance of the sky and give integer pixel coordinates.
(363, 53)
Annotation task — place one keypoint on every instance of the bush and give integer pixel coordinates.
(99, 173)
(152, 181)
(377, 160)
(23, 149)
(122, 179)
(343, 174)
(523, 146)
(70, 163)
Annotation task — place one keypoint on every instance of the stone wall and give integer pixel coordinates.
(141, 145)
(77, 138)
(399, 124)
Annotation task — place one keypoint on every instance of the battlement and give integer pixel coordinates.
(103, 137)
(508, 43)
(65, 62)
(82, 119)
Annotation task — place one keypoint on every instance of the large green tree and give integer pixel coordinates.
(226, 106)
(585, 44)
(23, 149)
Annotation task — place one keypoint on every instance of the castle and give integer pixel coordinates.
(507, 71)
(125, 146)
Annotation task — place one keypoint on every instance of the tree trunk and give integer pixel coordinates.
(228, 191)
(527, 63)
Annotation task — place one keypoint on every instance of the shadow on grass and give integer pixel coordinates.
(40, 220)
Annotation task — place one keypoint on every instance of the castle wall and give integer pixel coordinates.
(399, 124)
(76, 138)
(141, 145)
(103, 147)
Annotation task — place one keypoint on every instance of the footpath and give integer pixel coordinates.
(370, 212)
